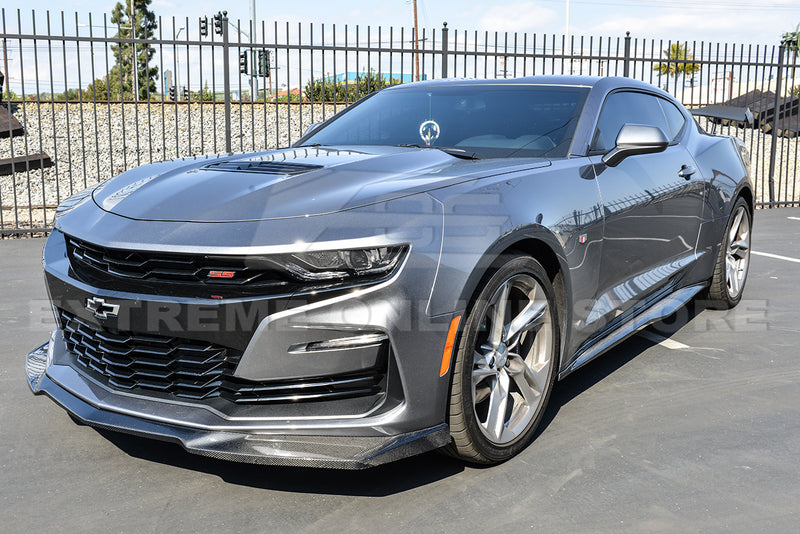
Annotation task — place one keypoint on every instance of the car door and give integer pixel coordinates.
(652, 205)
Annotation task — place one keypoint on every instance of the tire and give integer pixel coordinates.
(733, 261)
(506, 363)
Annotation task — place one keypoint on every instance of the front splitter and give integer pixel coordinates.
(333, 452)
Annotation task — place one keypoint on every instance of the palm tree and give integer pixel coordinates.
(791, 40)
(679, 56)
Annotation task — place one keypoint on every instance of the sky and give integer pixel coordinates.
(732, 21)
(748, 22)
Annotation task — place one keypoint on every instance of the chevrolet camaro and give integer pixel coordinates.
(417, 272)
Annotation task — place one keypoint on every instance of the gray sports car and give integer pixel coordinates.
(414, 273)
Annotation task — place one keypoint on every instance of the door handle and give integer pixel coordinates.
(686, 171)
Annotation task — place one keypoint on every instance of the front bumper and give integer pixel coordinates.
(338, 452)
(405, 417)
(88, 403)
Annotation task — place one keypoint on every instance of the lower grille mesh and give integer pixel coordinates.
(195, 370)
(184, 368)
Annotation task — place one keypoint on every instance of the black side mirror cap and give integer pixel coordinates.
(635, 139)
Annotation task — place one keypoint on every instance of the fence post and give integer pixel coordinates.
(627, 61)
(444, 49)
(226, 69)
(774, 148)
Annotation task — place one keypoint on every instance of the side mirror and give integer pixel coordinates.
(311, 128)
(634, 139)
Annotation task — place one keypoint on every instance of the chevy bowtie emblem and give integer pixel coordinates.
(101, 309)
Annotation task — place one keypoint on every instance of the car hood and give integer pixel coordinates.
(297, 182)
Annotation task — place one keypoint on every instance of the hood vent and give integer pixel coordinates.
(282, 168)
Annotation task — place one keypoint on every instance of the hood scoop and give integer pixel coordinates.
(282, 168)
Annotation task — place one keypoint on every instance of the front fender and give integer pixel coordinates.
(553, 214)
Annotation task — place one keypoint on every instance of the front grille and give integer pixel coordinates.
(195, 370)
(93, 262)
(184, 368)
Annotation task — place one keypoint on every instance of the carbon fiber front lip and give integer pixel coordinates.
(333, 452)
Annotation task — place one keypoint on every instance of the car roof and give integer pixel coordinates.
(602, 84)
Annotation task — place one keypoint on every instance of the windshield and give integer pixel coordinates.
(511, 120)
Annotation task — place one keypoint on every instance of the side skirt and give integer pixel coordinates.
(660, 310)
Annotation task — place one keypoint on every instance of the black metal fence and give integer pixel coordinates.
(68, 120)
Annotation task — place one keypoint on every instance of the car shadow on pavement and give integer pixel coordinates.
(379, 481)
(394, 477)
(606, 364)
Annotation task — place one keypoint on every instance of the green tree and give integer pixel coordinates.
(791, 40)
(325, 91)
(679, 57)
(371, 81)
(134, 20)
(329, 90)
(205, 95)
(10, 95)
(98, 90)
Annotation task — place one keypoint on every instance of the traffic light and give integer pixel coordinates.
(172, 93)
(218, 23)
(186, 94)
(263, 63)
(204, 26)
(243, 62)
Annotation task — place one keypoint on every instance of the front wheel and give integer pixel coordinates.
(506, 363)
(733, 261)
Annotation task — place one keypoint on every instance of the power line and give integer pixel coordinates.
(687, 5)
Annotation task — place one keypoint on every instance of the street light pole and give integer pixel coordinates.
(416, 41)
(178, 67)
(253, 62)
(134, 62)
(5, 72)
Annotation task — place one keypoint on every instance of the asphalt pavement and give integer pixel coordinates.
(691, 426)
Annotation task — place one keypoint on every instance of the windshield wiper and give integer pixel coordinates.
(456, 152)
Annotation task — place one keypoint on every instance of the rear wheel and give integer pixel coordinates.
(506, 363)
(733, 261)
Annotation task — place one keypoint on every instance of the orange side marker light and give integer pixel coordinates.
(448, 346)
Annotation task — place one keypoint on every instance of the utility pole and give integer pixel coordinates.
(416, 41)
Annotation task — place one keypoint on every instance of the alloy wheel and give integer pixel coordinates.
(737, 255)
(512, 359)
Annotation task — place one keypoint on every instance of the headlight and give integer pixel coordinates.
(330, 264)
(73, 202)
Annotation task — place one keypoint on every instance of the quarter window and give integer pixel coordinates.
(675, 118)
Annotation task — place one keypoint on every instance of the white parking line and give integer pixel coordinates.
(777, 257)
(794, 218)
(663, 341)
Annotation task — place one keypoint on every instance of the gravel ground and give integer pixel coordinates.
(90, 142)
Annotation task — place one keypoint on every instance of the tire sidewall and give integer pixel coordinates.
(719, 297)
(507, 267)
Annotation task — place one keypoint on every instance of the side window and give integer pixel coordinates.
(675, 118)
(626, 107)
